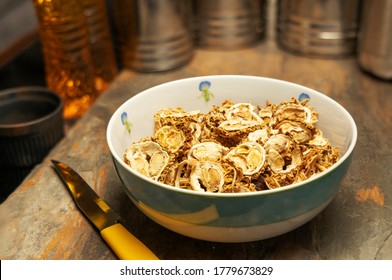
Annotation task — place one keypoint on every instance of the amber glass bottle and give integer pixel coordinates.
(100, 42)
(77, 50)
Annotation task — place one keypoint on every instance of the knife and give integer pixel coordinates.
(125, 245)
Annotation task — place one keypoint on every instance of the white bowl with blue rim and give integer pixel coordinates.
(238, 217)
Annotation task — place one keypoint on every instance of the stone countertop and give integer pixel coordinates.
(40, 220)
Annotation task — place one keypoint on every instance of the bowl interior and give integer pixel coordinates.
(134, 119)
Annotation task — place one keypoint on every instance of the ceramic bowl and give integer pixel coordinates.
(220, 217)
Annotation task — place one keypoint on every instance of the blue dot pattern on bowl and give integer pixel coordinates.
(204, 87)
(303, 96)
(125, 122)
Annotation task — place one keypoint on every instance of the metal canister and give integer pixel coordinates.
(375, 38)
(154, 35)
(325, 28)
(228, 24)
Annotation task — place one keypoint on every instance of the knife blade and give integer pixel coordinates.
(124, 244)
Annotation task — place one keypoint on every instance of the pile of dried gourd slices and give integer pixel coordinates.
(235, 147)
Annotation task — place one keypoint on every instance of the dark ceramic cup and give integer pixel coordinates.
(31, 123)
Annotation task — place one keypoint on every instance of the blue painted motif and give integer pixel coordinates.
(204, 87)
(125, 122)
(303, 96)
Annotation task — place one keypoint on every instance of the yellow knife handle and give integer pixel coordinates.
(125, 245)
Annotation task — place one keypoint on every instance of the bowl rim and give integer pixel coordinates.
(341, 160)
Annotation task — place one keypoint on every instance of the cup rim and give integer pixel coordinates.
(35, 125)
